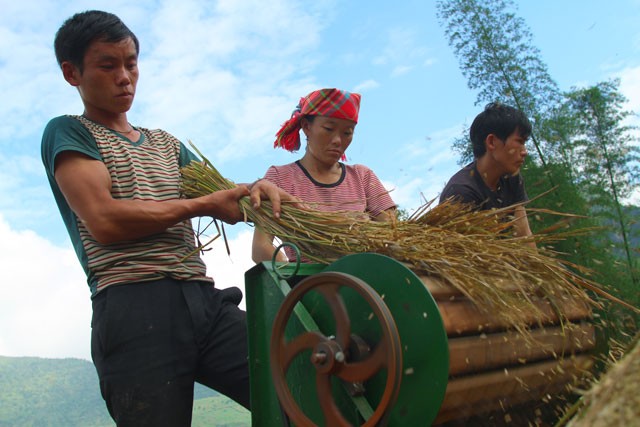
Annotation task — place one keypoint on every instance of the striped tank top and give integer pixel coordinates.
(148, 170)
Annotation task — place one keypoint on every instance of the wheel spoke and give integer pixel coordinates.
(386, 353)
(332, 415)
(300, 343)
(339, 311)
(364, 369)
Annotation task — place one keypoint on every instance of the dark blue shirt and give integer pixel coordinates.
(467, 186)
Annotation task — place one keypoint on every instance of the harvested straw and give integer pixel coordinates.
(471, 250)
(615, 399)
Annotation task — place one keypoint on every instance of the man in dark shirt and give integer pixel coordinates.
(493, 180)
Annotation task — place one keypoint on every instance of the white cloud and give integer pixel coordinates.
(433, 151)
(630, 87)
(228, 270)
(428, 164)
(429, 62)
(25, 190)
(366, 85)
(400, 70)
(241, 68)
(45, 306)
(401, 51)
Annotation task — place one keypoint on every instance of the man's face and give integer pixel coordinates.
(107, 84)
(510, 153)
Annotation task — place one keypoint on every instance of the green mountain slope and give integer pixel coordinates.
(50, 392)
(65, 393)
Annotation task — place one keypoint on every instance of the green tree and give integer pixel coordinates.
(499, 61)
(497, 57)
(608, 157)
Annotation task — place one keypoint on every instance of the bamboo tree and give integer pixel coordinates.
(497, 58)
(609, 156)
(499, 61)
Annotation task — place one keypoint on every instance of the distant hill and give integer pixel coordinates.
(633, 226)
(50, 392)
(65, 393)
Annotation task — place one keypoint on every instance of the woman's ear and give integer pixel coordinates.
(306, 126)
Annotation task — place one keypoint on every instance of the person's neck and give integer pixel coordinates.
(321, 172)
(117, 122)
(488, 172)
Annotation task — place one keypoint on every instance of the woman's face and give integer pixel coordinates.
(328, 138)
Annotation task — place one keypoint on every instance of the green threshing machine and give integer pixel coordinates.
(366, 342)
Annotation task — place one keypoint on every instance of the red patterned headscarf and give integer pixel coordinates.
(334, 103)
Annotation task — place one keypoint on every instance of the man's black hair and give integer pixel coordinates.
(78, 32)
(500, 120)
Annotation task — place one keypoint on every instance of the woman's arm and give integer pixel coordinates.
(388, 215)
(262, 248)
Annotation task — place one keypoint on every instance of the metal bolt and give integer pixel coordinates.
(318, 358)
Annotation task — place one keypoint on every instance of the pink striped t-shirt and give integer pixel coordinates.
(358, 189)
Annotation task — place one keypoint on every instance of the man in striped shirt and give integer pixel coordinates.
(159, 324)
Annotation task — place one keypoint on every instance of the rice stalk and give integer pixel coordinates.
(473, 251)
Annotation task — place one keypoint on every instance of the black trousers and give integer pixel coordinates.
(151, 340)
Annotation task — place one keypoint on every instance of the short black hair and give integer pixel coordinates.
(78, 32)
(498, 119)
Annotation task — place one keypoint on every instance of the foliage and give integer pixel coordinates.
(219, 411)
(583, 159)
(65, 392)
(50, 392)
(402, 214)
(609, 160)
(497, 57)
(498, 60)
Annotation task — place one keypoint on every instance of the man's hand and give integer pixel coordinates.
(264, 189)
(224, 204)
(521, 225)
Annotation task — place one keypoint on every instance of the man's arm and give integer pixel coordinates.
(521, 224)
(86, 185)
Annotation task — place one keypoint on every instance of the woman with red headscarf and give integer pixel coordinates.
(328, 118)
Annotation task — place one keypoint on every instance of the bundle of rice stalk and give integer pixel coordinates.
(615, 399)
(470, 250)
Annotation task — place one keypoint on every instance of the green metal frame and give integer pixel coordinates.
(422, 334)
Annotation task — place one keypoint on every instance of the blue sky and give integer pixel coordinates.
(225, 75)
